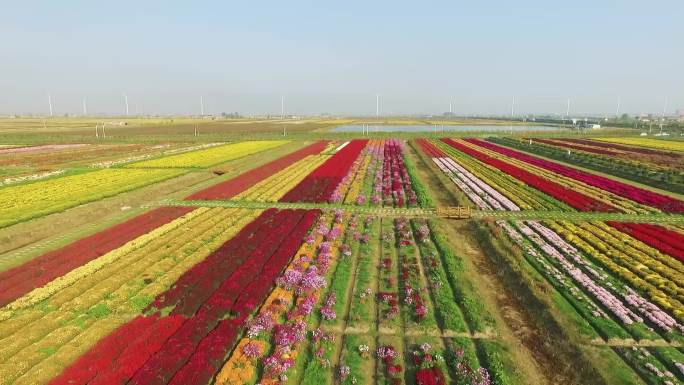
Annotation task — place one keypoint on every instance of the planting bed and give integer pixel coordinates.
(328, 265)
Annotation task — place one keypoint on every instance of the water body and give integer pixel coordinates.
(429, 128)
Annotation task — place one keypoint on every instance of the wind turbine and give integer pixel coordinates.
(85, 108)
(201, 105)
(282, 107)
(617, 109)
(50, 103)
(377, 106)
(126, 103)
(662, 116)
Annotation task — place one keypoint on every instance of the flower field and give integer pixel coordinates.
(625, 280)
(249, 179)
(210, 156)
(362, 173)
(21, 202)
(656, 168)
(667, 145)
(329, 264)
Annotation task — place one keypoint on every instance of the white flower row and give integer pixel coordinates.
(343, 145)
(482, 189)
(41, 175)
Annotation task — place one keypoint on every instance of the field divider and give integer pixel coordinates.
(432, 212)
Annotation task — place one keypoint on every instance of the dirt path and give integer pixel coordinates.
(514, 327)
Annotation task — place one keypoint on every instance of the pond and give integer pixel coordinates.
(429, 128)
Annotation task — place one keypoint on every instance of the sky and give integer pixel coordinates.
(336, 56)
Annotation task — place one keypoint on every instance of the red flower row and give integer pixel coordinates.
(116, 357)
(667, 241)
(198, 283)
(320, 184)
(573, 198)
(430, 149)
(579, 147)
(190, 345)
(208, 358)
(39, 271)
(636, 194)
(230, 188)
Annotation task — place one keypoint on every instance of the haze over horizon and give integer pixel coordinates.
(326, 58)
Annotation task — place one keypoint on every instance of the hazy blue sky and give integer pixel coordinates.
(334, 57)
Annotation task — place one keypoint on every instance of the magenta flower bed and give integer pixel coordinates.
(396, 182)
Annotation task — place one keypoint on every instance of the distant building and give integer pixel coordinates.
(680, 115)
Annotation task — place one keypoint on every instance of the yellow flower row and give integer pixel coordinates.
(240, 368)
(653, 258)
(44, 292)
(210, 156)
(274, 187)
(669, 145)
(615, 261)
(75, 318)
(357, 183)
(27, 201)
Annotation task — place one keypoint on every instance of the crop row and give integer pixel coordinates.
(634, 193)
(659, 237)
(522, 195)
(614, 201)
(320, 184)
(210, 156)
(660, 171)
(575, 259)
(274, 187)
(244, 181)
(193, 348)
(62, 320)
(39, 271)
(648, 143)
(600, 200)
(378, 176)
(27, 201)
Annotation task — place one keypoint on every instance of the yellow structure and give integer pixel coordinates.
(457, 212)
